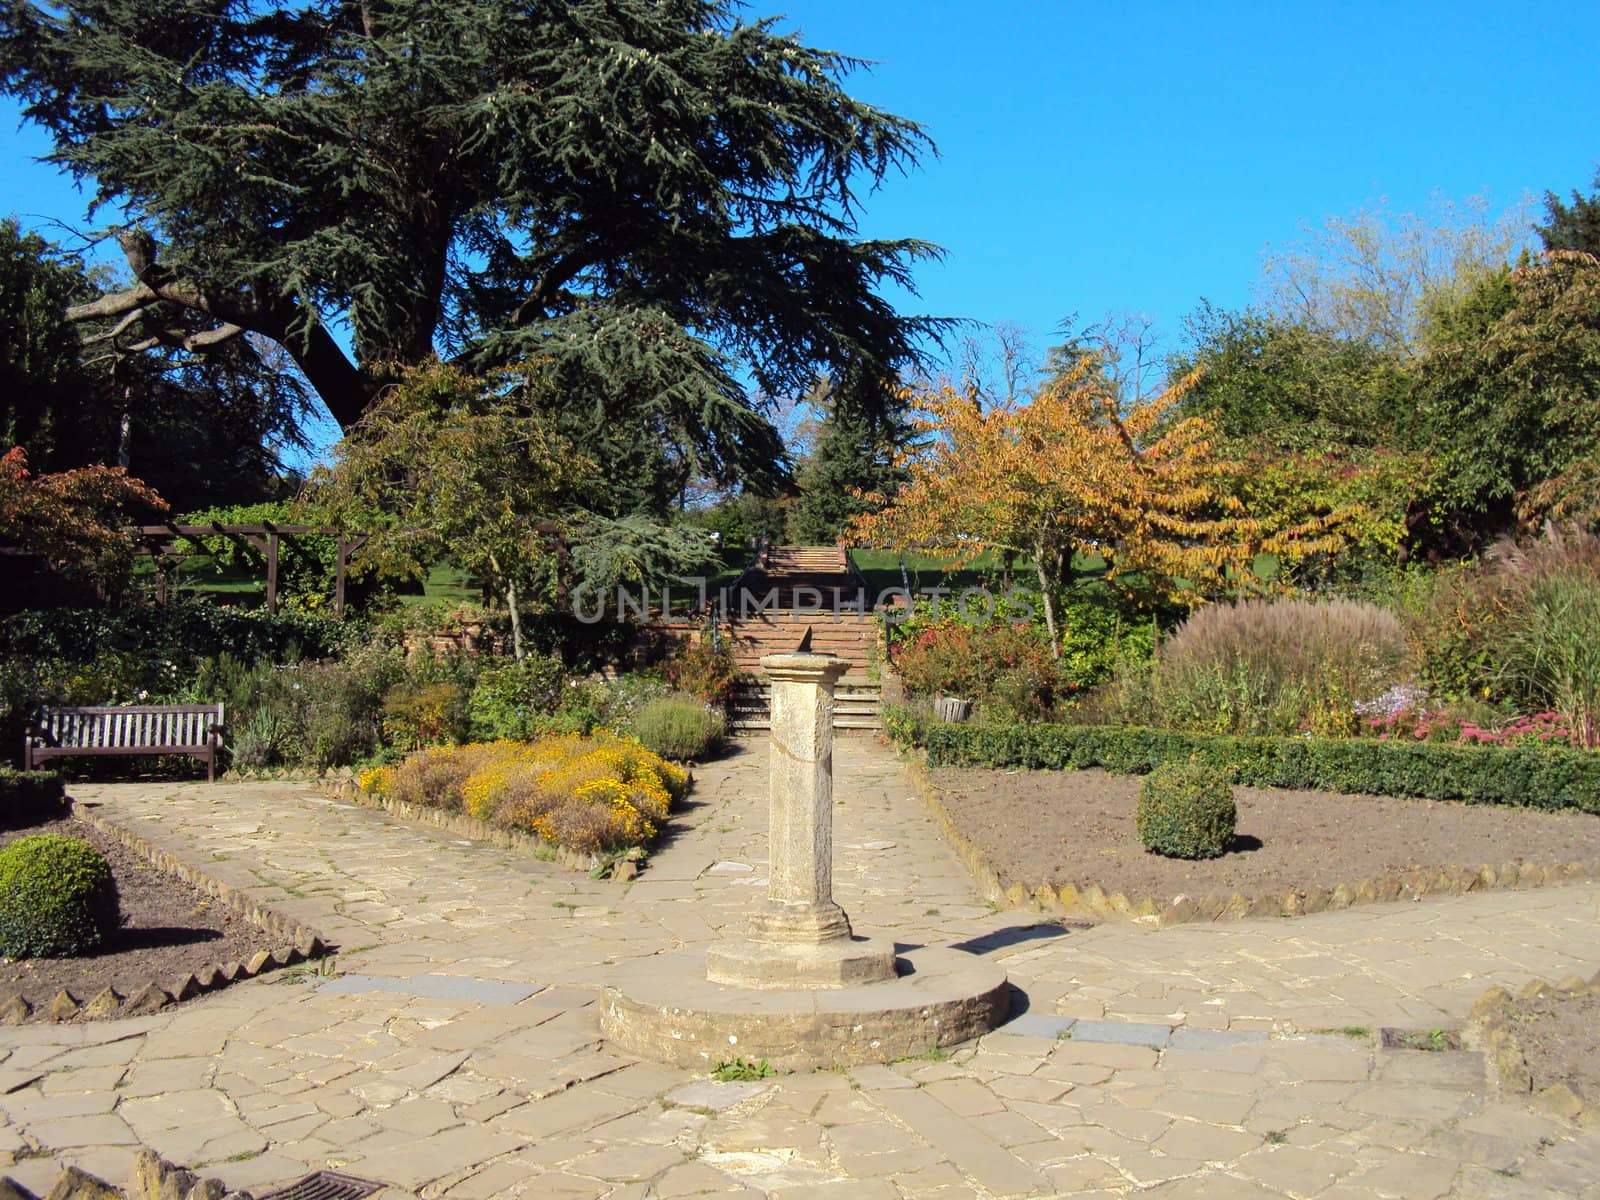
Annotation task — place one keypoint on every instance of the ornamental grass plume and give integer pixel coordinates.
(1286, 666)
(1545, 646)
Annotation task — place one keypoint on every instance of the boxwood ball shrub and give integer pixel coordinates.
(57, 897)
(1186, 810)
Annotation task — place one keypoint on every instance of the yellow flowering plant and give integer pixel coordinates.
(600, 793)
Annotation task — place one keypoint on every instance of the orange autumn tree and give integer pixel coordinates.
(1075, 472)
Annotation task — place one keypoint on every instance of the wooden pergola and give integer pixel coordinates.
(266, 539)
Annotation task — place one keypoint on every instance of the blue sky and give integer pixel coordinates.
(1121, 157)
(1141, 156)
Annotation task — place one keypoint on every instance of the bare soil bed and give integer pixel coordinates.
(1560, 1039)
(1077, 827)
(169, 930)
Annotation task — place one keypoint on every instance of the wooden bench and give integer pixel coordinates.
(193, 729)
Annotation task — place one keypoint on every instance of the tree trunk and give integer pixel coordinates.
(125, 433)
(1039, 561)
(343, 387)
(511, 606)
(516, 622)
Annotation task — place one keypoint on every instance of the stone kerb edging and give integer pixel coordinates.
(348, 790)
(153, 1179)
(296, 943)
(1093, 900)
(1492, 1027)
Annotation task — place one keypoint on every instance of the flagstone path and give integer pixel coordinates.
(457, 1054)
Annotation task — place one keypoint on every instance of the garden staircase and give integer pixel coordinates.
(768, 614)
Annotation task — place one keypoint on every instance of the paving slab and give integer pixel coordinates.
(436, 987)
(1039, 1025)
(1214, 1039)
(1122, 1033)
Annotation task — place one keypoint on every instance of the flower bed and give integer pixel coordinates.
(601, 794)
(1065, 842)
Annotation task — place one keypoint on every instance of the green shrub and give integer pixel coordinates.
(906, 724)
(180, 633)
(1277, 667)
(511, 698)
(422, 713)
(582, 707)
(625, 697)
(30, 796)
(679, 727)
(325, 714)
(57, 897)
(1524, 776)
(1186, 810)
(260, 738)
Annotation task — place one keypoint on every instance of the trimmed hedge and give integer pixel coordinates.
(1530, 776)
(27, 796)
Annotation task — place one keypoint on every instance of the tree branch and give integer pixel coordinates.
(113, 304)
(343, 387)
(119, 329)
(538, 302)
(212, 337)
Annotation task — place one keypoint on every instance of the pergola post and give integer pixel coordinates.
(272, 572)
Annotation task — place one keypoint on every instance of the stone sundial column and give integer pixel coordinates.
(800, 905)
(801, 938)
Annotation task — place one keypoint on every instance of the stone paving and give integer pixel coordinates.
(458, 1054)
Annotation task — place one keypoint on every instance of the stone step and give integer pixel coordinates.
(845, 625)
(822, 633)
(754, 648)
(847, 689)
(857, 705)
(865, 715)
(856, 656)
(840, 724)
(854, 622)
(832, 632)
(751, 669)
(859, 699)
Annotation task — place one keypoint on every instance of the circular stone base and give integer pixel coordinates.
(843, 962)
(664, 1008)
